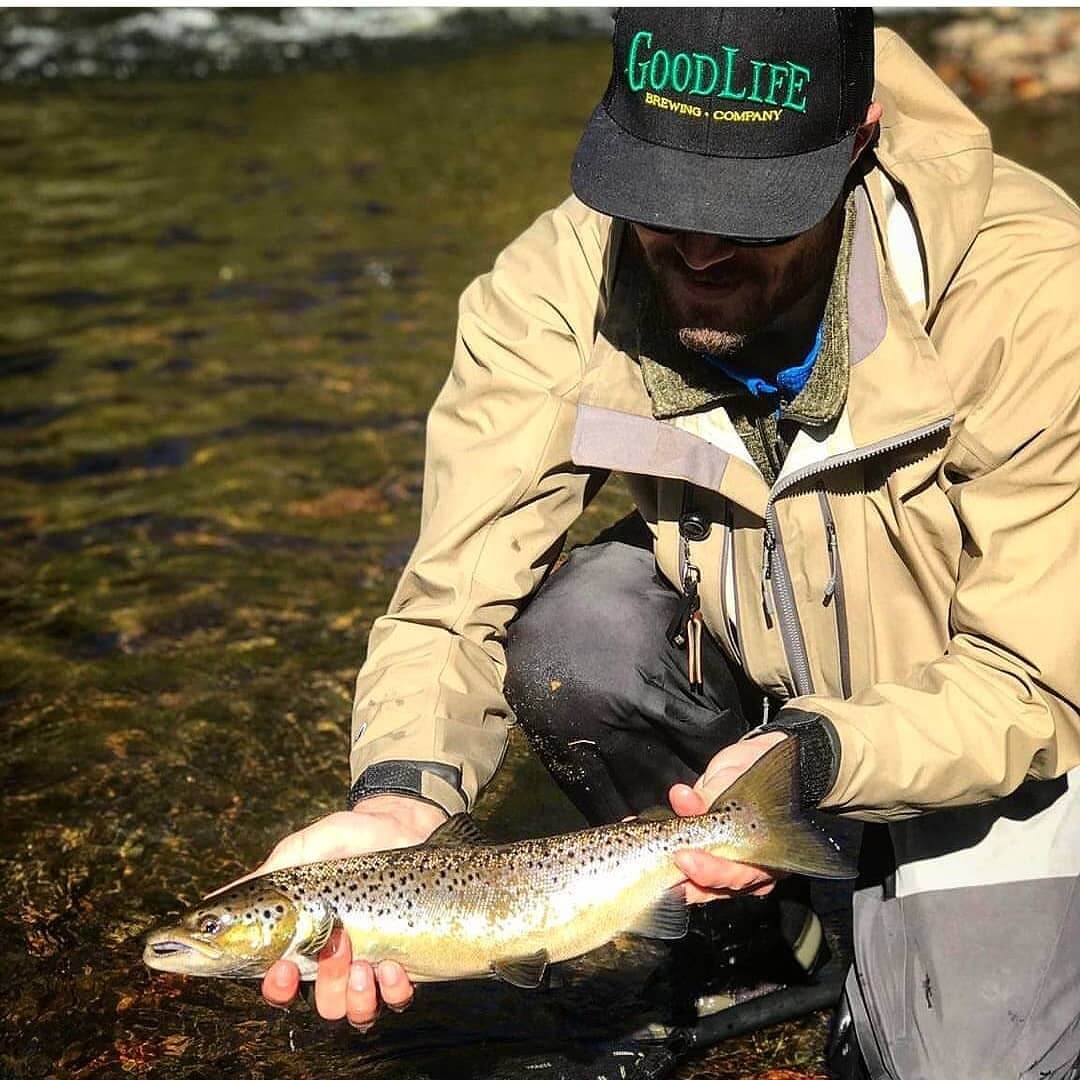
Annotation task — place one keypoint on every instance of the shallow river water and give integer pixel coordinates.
(227, 306)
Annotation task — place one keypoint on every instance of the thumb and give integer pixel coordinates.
(685, 801)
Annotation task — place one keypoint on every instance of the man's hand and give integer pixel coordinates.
(713, 878)
(344, 987)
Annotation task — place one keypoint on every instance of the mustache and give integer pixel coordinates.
(670, 263)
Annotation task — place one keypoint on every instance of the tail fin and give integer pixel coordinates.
(783, 839)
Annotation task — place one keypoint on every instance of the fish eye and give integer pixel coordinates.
(209, 924)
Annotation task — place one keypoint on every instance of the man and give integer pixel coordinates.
(831, 342)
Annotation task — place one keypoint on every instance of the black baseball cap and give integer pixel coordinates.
(734, 121)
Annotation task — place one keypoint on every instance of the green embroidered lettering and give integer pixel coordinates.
(699, 74)
(638, 83)
(701, 60)
(777, 74)
(755, 90)
(730, 52)
(658, 82)
(799, 77)
(681, 69)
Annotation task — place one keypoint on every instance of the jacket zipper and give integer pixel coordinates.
(774, 565)
(729, 616)
(834, 594)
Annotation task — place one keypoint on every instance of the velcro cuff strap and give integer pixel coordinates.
(819, 751)
(407, 778)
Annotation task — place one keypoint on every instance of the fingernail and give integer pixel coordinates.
(362, 1029)
(398, 1008)
(283, 1006)
(359, 977)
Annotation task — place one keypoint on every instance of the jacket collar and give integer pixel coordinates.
(937, 152)
(895, 387)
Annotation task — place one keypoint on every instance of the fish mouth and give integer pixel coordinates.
(163, 948)
(168, 948)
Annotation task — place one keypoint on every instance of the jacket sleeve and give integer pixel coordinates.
(1002, 704)
(500, 493)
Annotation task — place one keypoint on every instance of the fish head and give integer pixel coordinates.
(237, 934)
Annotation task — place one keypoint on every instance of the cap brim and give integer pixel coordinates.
(745, 198)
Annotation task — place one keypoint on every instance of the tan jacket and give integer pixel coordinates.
(912, 575)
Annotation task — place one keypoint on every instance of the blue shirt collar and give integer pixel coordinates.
(788, 382)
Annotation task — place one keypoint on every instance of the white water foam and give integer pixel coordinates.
(53, 43)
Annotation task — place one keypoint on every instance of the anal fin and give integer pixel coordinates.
(524, 971)
(667, 919)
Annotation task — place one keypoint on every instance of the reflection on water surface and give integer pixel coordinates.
(226, 310)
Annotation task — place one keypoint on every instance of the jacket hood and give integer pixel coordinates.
(938, 151)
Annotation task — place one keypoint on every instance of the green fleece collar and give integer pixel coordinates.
(680, 381)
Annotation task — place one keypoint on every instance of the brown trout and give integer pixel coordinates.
(456, 908)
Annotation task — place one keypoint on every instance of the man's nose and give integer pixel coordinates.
(700, 250)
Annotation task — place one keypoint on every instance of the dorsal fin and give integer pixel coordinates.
(524, 971)
(460, 830)
(656, 813)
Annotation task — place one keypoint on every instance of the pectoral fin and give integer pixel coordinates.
(524, 971)
(320, 934)
(667, 919)
(460, 829)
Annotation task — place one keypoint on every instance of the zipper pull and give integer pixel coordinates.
(830, 585)
(678, 631)
(688, 623)
(694, 628)
(767, 546)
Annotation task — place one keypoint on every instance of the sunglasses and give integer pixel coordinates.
(737, 241)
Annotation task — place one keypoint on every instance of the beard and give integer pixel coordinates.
(758, 291)
(704, 339)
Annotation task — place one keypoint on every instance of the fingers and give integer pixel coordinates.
(344, 988)
(280, 983)
(394, 984)
(332, 980)
(361, 1001)
(712, 878)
